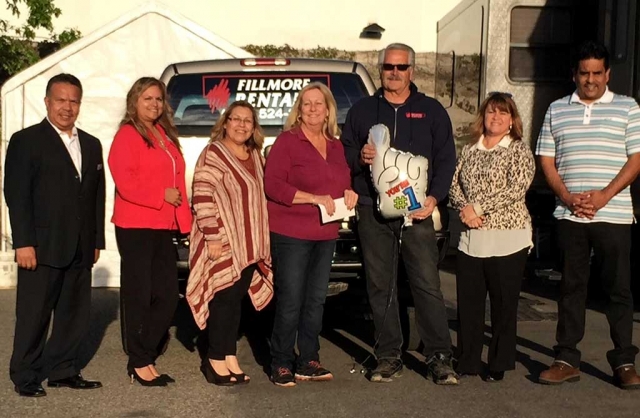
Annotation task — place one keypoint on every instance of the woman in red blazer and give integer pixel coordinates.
(150, 204)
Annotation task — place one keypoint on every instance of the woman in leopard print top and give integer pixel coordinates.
(492, 176)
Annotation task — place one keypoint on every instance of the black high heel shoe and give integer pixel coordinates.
(166, 378)
(241, 378)
(215, 378)
(149, 383)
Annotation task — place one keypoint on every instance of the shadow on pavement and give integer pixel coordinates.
(257, 326)
(187, 331)
(105, 304)
(349, 312)
(348, 324)
(535, 367)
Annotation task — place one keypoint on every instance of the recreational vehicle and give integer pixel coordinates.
(523, 47)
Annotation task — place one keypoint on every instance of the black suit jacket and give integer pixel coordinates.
(50, 208)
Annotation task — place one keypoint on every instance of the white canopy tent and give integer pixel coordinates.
(140, 43)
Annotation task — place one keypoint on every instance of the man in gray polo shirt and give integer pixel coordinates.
(589, 149)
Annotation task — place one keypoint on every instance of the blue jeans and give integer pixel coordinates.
(301, 276)
(380, 242)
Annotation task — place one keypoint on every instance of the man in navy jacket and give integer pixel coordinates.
(420, 125)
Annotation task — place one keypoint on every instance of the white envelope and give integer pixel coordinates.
(340, 213)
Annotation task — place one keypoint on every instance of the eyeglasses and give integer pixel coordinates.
(503, 93)
(399, 67)
(239, 121)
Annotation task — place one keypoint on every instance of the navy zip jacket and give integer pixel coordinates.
(420, 126)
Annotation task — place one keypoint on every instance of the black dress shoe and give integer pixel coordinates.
(31, 390)
(74, 382)
(495, 376)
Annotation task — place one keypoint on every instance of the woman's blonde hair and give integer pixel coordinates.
(330, 127)
(165, 119)
(218, 131)
(498, 101)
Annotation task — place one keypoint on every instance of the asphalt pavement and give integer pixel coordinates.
(346, 342)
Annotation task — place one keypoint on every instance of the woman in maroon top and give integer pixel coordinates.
(150, 204)
(306, 167)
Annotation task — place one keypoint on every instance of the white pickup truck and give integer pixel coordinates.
(271, 85)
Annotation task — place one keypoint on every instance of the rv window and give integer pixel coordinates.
(445, 76)
(616, 27)
(539, 45)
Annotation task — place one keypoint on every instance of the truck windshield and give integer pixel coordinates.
(198, 100)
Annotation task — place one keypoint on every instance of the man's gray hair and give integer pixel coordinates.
(400, 47)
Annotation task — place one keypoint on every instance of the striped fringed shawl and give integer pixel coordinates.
(230, 206)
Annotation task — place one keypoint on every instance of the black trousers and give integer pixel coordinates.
(502, 278)
(224, 316)
(380, 250)
(148, 288)
(611, 245)
(67, 293)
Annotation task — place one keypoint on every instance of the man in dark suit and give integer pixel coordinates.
(54, 186)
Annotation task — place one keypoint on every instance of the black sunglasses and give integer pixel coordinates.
(504, 93)
(391, 67)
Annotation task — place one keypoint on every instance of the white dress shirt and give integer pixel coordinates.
(72, 143)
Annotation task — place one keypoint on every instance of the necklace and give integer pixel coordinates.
(239, 151)
(158, 137)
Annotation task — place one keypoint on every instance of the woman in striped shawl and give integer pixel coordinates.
(229, 253)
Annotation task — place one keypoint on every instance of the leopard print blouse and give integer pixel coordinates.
(495, 182)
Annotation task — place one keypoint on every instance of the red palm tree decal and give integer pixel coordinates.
(218, 97)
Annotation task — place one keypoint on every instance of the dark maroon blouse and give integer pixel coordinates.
(295, 164)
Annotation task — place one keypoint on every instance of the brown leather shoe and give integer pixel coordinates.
(559, 372)
(626, 377)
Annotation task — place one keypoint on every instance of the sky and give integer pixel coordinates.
(300, 23)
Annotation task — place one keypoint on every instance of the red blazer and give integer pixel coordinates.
(141, 175)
